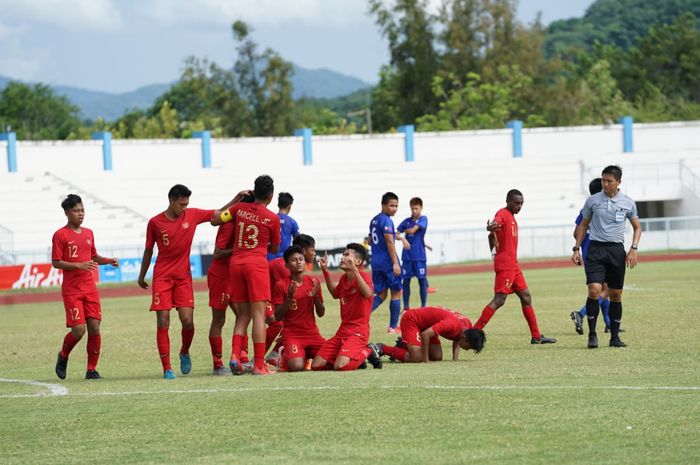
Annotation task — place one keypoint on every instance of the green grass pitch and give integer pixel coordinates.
(514, 403)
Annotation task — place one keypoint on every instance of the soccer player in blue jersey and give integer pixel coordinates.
(411, 231)
(289, 228)
(386, 269)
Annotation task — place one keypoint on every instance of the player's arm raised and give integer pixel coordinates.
(362, 285)
(221, 215)
(323, 264)
(281, 310)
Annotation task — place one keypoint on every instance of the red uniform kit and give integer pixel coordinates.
(172, 277)
(278, 273)
(300, 335)
(80, 297)
(217, 275)
(445, 323)
(352, 336)
(509, 278)
(255, 228)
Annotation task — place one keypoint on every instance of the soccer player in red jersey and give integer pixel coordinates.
(503, 236)
(173, 231)
(421, 328)
(73, 251)
(256, 232)
(348, 348)
(295, 299)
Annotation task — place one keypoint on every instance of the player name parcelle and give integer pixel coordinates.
(249, 216)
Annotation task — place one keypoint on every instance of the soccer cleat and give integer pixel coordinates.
(61, 366)
(617, 343)
(236, 366)
(168, 374)
(543, 340)
(92, 374)
(432, 290)
(221, 371)
(578, 321)
(592, 341)
(391, 330)
(307, 365)
(262, 371)
(244, 357)
(363, 365)
(400, 343)
(185, 363)
(374, 358)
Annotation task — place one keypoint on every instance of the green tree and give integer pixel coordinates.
(34, 112)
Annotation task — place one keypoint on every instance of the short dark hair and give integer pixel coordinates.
(389, 196)
(416, 201)
(285, 200)
(178, 191)
(476, 339)
(264, 187)
(71, 201)
(595, 186)
(613, 170)
(359, 250)
(512, 193)
(291, 250)
(304, 241)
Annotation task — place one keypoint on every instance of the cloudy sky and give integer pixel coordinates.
(119, 45)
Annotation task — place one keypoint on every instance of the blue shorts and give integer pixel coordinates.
(386, 280)
(414, 268)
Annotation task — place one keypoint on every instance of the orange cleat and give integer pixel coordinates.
(262, 371)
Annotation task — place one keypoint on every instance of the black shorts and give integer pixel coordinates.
(605, 263)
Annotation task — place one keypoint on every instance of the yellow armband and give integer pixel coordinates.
(226, 216)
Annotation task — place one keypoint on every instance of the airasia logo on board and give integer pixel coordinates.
(42, 275)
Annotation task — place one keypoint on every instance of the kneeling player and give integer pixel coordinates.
(421, 328)
(295, 299)
(348, 349)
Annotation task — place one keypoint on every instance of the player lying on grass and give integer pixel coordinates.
(295, 299)
(421, 329)
(348, 348)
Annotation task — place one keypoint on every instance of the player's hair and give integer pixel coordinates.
(178, 191)
(291, 250)
(284, 200)
(595, 186)
(71, 201)
(512, 193)
(304, 241)
(359, 249)
(389, 196)
(264, 187)
(613, 170)
(476, 339)
(416, 201)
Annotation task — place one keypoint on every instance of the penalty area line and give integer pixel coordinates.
(51, 390)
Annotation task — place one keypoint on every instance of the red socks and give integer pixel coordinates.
(486, 315)
(216, 344)
(237, 343)
(93, 351)
(397, 352)
(259, 354)
(529, 314)
(187, 336)
(163, 341)
(68, 343)
(353, 364)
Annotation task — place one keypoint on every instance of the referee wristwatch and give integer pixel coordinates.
(575, 249)
(633, 247)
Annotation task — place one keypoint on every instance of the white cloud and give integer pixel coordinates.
(68, 14)
(15, 61)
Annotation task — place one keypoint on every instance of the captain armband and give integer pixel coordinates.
(226, 216)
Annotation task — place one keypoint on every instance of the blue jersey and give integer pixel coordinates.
(289, 229)
(380, 225)
(586, 240)
(417, 239)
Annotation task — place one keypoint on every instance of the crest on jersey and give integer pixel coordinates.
(89, 242)
(185, 225)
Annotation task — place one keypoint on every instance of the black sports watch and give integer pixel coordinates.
(575, 248)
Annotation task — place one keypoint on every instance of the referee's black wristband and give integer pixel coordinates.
(633, 247)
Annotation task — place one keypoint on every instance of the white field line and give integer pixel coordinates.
(57, 390)
(52, 390)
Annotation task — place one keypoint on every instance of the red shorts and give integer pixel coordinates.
(302, 345)
(250, 283)
(509, 281)
(410, 332)
(169, 293)
(351, 346)
(80, 307)
(219, 294)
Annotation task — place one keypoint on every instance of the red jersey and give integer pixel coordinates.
(224, 240)
(255, 228)
(355, 310)
(174, 239)
(74, 247)
(444, 322)
(278, 271)
(507, 249)
(300, 317)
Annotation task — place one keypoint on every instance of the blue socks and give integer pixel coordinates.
(604, 308)
(394, 310)
(377, 302)
(406, 292)
(423, 283)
